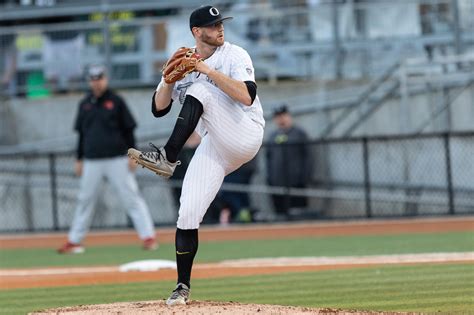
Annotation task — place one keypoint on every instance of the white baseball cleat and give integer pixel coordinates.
(154, 160)
(179, 296)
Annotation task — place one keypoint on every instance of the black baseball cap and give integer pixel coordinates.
(96, 72)
(282, 109)
(206, 16)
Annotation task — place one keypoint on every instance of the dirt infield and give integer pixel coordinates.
(199, 308)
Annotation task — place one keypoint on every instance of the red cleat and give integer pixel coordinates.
(150, 244)
(70, 248)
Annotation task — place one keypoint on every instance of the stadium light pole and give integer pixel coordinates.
(456, 27)
(336, 39)
(106, 35)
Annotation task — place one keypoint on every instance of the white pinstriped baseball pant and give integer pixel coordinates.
(232, 139)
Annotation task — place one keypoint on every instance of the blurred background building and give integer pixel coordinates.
(383, 88)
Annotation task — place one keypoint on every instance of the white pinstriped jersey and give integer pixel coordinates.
(231, 132)
(234, 62)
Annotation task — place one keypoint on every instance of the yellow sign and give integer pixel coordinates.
(29, 41)
(115, 16)
(118, 36)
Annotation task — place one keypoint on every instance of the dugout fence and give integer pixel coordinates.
(366, 177)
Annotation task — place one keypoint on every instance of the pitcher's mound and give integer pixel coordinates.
(194, 308)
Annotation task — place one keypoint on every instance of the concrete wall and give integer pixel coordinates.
(389, 118)
(53, 118)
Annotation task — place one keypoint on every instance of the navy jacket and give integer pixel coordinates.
(105, 126)
(288, 159)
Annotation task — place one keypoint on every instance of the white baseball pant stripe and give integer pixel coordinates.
(232, 139)
(125, 185)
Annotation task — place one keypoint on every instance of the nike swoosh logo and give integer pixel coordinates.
(180, 118)
(182, 253)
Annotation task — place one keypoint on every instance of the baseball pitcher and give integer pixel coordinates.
(215, 83)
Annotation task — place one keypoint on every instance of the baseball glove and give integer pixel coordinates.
(182, 62)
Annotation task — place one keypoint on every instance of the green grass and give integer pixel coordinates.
(421, 288)
(216, 251)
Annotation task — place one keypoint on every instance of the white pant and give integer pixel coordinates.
(232, 139)
(123, 181)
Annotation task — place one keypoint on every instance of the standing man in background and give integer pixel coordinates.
(220, 102)
(288, 161)
(105, 126)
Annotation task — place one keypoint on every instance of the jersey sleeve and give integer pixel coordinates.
(241, 66)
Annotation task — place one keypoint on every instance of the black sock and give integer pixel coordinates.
(187, 121)
(186, 248)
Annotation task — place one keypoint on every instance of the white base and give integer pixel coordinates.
(148, 265)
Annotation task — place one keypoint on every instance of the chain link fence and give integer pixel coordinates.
(389, 176)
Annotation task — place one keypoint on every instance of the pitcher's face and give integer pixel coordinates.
(212, 35)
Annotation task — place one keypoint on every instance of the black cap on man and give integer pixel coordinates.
(206, 16)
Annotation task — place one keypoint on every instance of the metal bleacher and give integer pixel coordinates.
(328, 40)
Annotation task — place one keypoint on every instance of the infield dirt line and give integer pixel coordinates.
(270, 226)
(256, 231)
(267, 263)
(111, 275)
